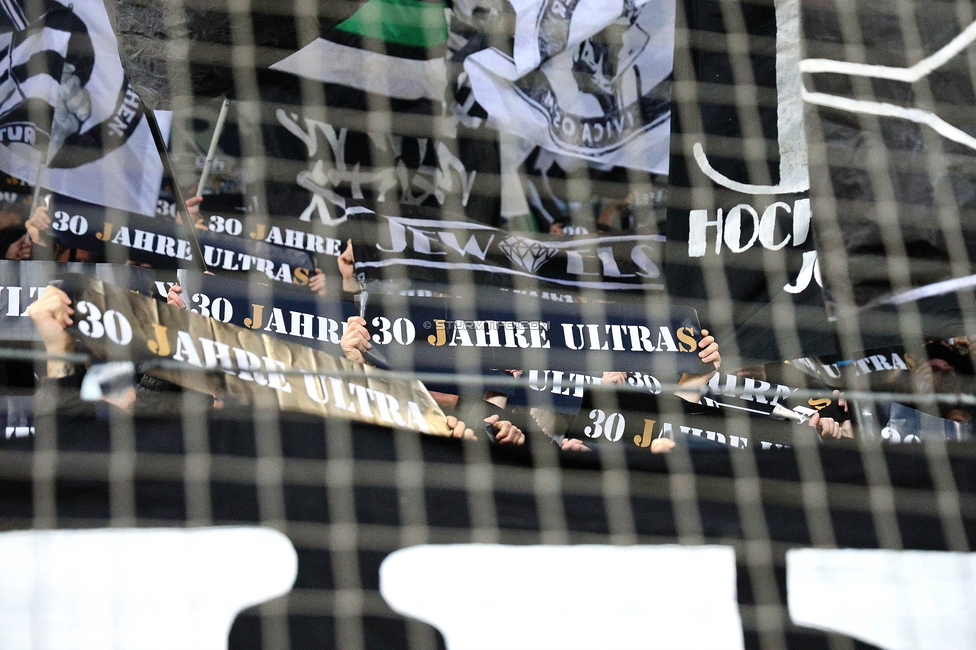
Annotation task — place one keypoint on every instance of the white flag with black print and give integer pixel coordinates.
(69, 119)
(586, 78)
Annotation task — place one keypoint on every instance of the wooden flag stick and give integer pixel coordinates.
(218, 129)
(40, 252)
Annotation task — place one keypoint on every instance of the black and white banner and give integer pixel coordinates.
(159, 242)
(771, 399)
(756, 397)
(398, 248)
(630, 418)
(450, 585)
(323, 158)
(289, 314)
(562, 391)
(585, 78)
(893, 164)
(69, 118)
(842, 372)
(22, 283)
(907, 425)
(311, 238)
(739, 215)
(416, 333)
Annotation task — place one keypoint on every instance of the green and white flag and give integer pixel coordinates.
(360, 114)
(388, 48)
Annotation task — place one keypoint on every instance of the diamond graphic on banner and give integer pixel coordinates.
(528, 254)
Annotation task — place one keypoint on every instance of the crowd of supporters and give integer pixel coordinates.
(943, 367)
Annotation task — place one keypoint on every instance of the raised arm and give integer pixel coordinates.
(51, 315)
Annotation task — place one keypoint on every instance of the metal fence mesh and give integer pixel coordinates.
(891, 201)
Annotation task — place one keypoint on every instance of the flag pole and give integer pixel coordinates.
(39, 251)
(188, 227)
(211, 152)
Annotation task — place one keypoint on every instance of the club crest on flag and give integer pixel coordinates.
(584, 81)
(611, 105)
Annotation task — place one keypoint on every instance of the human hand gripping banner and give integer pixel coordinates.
(222, 359)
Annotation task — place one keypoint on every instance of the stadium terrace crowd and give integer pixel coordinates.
(943, 366)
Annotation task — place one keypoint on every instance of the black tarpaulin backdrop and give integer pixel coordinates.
(726, 103)
(81, 499)
(895, 200)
